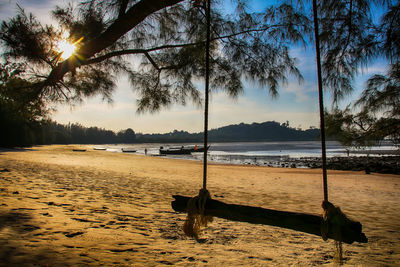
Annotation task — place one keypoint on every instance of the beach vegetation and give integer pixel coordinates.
(127, 136)
(378, 117)
(375, 115)
(74, 133)
(21, 116)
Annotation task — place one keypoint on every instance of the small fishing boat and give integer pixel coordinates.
(128, 150)
(175, 151)
(181, 150)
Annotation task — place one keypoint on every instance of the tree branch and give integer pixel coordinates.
(135, 15)
(350, 27)
(152, 61)
(167, 46)
(122, 8)
(123, 24)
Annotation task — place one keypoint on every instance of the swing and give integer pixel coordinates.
(334, 224)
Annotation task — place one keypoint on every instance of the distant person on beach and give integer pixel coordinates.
(145, 151)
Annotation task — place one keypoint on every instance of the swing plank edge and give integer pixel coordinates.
(302, 222)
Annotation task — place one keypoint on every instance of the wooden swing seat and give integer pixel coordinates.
(302, 222)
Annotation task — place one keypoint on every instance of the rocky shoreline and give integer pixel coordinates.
(389, 164)
(378, 164)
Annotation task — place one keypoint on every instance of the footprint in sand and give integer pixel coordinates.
(73, 234)
(124, 250)
(165, 262)
(84, 220)
(30, 228)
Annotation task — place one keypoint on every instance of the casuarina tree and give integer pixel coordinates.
(159, 44)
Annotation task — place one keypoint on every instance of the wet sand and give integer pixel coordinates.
(65, 208)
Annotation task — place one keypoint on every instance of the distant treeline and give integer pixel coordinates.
(56, 133)
(51, 132)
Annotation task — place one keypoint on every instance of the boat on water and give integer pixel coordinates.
(174, 151)
(128, 150)
(78, 150)
(181, 150)
(196, 149)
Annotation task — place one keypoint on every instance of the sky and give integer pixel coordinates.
(297, 103)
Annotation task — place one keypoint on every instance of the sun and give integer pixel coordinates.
(65, 48)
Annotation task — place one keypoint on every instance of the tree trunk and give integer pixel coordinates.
(307, 223)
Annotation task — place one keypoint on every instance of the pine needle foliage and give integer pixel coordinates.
(378, 117)
(353, 37)
(163, 55)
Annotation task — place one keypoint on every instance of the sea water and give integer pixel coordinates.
(259, 153)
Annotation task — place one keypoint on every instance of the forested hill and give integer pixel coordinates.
(266, 131)
(54, 133)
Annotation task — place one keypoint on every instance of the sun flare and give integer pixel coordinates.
(65, 48)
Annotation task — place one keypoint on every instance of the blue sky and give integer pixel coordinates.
(297, 103)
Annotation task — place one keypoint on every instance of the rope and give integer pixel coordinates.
(196, 217)
(321, 102)
(333, 218)
(334, 225)
(207, 82)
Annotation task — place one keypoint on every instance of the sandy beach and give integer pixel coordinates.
(65, 208)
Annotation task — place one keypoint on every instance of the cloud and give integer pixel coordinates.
(307, 93)
(359, 83)
(41, 9)
(223, 111)
(123, 115)
(304, 93)
(305, 60)
(379, 67)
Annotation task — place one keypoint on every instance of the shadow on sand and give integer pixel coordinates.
(15, 149)
(15, 228)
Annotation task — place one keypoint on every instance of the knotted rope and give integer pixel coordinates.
(196, 217)
(334, 224)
